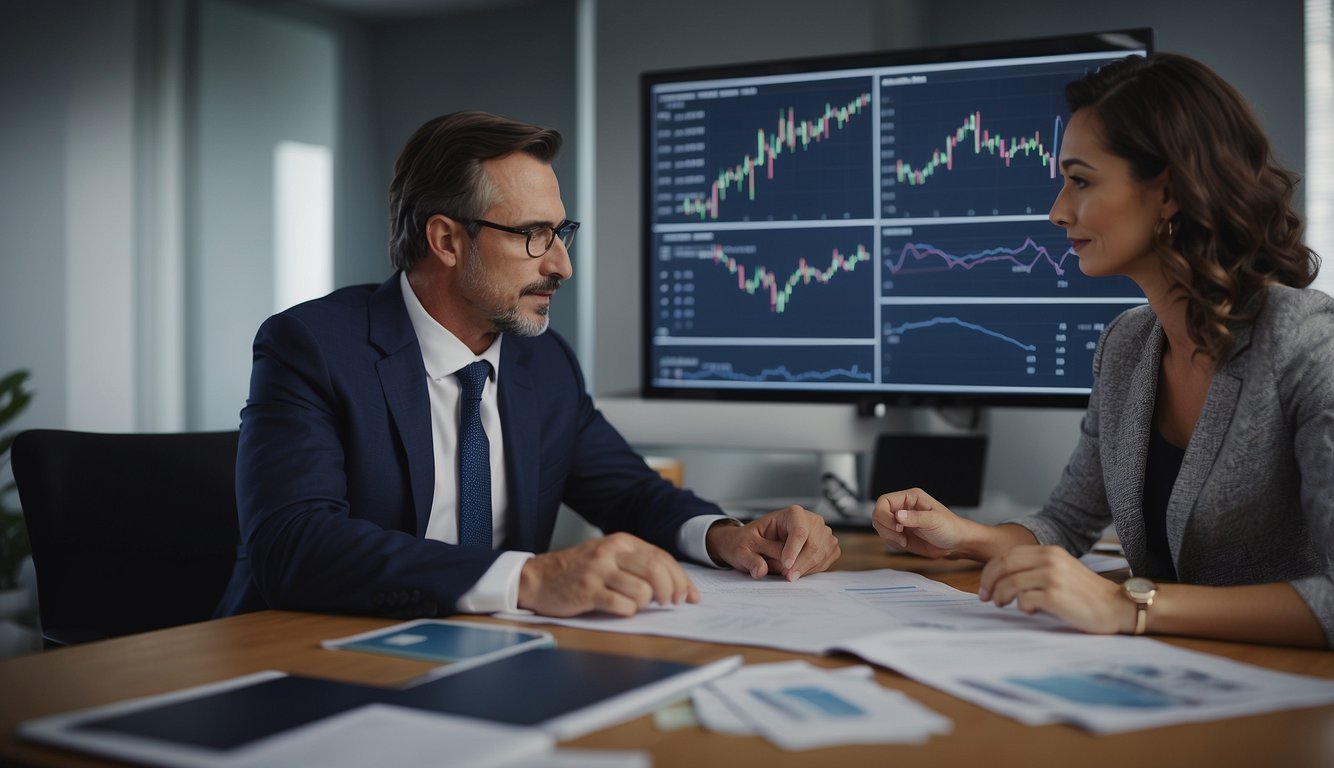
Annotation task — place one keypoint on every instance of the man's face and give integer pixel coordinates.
(501, 282)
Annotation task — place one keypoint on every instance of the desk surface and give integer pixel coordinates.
(157, 662)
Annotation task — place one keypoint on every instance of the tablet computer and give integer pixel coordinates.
(455, 645)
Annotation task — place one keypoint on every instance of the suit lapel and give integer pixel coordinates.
(520, 420)
(1132, 449)
(403, 380)
(1220, 404)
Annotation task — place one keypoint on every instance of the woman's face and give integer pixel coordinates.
(1109, 217)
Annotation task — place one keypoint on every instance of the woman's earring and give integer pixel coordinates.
(1165, 231)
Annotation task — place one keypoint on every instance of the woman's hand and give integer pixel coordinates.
(1051, 580)
(912, 520)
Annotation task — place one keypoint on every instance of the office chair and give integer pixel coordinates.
(129, 532)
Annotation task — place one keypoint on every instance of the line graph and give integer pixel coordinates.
(799, 283)
(805, 366)
(775, 152)
(1017, 257)
(989, 259)
(1019, 345)
(896, 331)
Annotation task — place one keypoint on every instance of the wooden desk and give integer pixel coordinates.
(98, 673)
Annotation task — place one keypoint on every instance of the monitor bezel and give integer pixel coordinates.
(867, 402)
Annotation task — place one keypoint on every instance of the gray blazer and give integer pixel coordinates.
(1254, 500)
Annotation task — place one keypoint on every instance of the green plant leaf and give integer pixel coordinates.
(13, 397)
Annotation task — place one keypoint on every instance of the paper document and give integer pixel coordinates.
(1103, 563)
(1032, 668)
(1105, 683)
(798, 706)
(584, 758)
(811, 615)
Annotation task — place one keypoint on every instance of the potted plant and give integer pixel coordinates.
(14, 546)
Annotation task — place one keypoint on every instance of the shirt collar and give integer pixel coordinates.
(442, 352)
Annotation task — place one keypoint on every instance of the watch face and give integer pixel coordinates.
(1139, 587)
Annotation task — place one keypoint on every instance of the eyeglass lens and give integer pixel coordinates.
(541, 238)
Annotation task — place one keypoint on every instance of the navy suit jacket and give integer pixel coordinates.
(335, 472)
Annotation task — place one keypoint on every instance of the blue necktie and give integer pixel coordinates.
(474, 460)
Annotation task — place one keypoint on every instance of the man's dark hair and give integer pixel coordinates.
(440, 171)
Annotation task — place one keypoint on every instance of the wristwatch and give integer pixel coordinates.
(1141, 591)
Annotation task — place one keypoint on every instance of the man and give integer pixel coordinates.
(405, 448)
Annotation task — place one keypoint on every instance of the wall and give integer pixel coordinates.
(519, 64)
(67, 210)
(261, 79)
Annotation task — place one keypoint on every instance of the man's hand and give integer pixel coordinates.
(792, 542)
(617, 574)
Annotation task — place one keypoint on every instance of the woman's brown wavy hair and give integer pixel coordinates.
(1236, 230)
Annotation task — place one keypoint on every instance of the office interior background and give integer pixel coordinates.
(174, 171)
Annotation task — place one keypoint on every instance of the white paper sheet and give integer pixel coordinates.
(810, 615)
(1106, 684)
(950, 640)
(806, 707)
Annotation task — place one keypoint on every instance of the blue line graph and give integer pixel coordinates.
(781, 373)
(992, 344)
(898, 330)
(833, 365)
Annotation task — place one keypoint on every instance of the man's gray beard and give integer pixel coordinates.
(511, 320)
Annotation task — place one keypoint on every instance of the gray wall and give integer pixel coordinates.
(516, 63)
(67, 210)
(360, 88)
(262, 79)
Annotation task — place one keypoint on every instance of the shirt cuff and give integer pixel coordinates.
(690, 538)
(498, 589)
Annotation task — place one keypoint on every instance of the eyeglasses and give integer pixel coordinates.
(540, 236)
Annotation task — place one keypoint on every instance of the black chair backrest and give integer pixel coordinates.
(130, 532)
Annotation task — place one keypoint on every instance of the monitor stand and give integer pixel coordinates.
(838, 498)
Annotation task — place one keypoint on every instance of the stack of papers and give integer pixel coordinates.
(799, 706)
(1032, 668)
(1103, 683)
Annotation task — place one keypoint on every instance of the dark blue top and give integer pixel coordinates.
(1160, 475)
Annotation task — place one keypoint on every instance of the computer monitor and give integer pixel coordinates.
(870, 228)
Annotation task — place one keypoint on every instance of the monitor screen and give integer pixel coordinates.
(870, 228)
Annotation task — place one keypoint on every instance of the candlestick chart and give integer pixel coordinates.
(785, 307)
(809, 283)
(796, 151)
(955, 145)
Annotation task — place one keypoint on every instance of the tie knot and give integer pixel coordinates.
(473, 378)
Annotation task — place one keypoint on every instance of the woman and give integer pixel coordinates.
(1209, 437)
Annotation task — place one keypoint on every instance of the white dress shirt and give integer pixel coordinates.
(443, 355)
